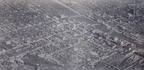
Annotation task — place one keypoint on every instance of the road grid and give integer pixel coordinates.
(71, 35)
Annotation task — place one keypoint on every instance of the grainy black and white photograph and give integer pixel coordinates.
(71, 34)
